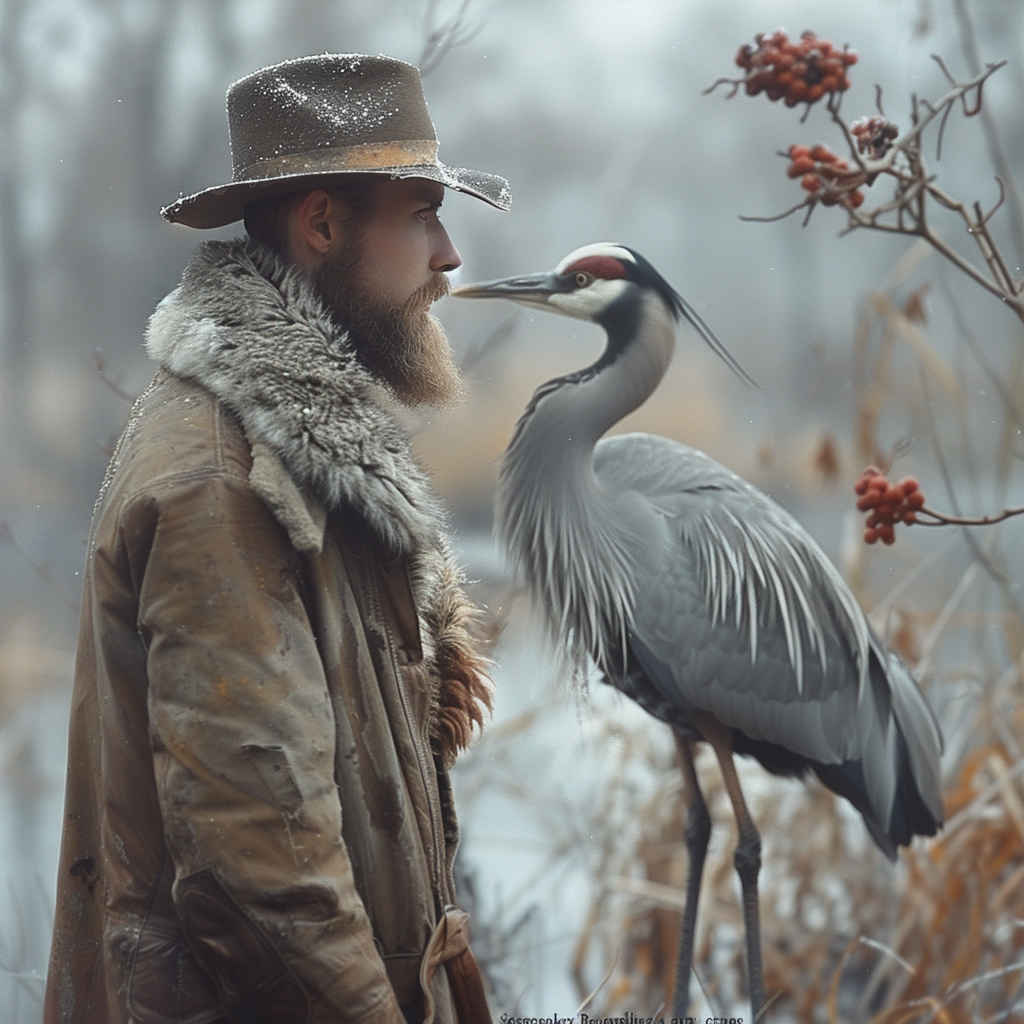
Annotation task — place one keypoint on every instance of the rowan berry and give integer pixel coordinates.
(817, 166)
(887, 503)
(798, 72)
(874, 135)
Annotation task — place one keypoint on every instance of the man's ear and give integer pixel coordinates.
(316, 223)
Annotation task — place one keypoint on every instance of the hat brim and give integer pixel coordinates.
(225, 204)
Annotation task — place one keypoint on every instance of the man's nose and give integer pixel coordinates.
(444, 256)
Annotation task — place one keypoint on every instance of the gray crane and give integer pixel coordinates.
(694, 593)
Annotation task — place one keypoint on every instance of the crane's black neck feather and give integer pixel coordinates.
(621, 322)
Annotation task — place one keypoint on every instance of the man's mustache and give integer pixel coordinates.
(428, 293)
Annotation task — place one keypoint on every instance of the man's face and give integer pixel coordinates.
(381, 283)
(405, 242)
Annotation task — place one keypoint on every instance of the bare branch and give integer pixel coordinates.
(1001, 200)
(734, 82)
(440, 40)
(969, 41)
(942, 131)
(980, 554)
(100, 362)
(942, 64)
(995, 378)
(494, 341)
(809, 201)
(941, 519)
(43, 571)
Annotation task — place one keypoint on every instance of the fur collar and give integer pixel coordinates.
(251, 330)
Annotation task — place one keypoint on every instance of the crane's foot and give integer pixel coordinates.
(747, 859)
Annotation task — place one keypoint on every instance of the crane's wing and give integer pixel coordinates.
(745, 617)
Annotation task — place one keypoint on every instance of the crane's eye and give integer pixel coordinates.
(582, 278)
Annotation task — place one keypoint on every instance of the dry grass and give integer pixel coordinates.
(31, 667)
(847, 937)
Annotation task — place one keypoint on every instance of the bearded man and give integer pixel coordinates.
(275, 669)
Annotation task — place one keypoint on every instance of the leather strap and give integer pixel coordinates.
(449, 945)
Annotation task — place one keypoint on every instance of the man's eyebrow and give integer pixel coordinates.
(426, 194)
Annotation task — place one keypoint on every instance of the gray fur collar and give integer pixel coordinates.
(250, 329)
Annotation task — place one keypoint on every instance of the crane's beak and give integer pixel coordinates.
(531, 290)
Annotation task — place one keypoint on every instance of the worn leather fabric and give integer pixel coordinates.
(259, 823)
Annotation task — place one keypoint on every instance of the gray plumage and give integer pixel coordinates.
(693, 592)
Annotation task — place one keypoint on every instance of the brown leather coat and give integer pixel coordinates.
(269, 688)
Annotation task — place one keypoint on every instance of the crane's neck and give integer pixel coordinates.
(575, 542)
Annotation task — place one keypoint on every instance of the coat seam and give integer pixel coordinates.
(161, 865)
(436, 822)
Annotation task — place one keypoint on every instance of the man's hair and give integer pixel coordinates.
(266, 221)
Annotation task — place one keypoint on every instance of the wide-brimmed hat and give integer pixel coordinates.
(293, 124)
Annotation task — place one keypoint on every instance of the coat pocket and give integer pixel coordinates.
(253, 980)
(167, 985)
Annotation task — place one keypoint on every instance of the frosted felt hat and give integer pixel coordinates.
(293, 124)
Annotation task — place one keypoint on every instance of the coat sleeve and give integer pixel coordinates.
(243, 736)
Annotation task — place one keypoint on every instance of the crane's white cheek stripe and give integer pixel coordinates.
(587, 303)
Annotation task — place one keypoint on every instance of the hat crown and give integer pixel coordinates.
(324, 102)
(300, 123)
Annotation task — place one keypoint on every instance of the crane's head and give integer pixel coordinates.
(603, 282)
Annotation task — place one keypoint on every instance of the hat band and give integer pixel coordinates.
(368, 156)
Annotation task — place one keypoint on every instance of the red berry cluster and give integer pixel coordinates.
(818, 167)
(888, 503)
(874, 135)
(798, 72)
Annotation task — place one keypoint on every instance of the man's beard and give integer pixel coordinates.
(402, 346)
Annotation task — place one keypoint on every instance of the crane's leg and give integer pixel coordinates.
(747, 857)
(698, 829)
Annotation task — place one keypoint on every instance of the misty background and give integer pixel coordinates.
(595, 112)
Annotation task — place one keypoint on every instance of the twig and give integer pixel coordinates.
(42, 570)
(497, 339)
(734, 82)
(997, 150)
(980, 554)
(441, 39)
(907, 212)
(882, 948)
(590, 998)
(768, 1004)
(940, 519)
(931, 641)
(999, 972)
(100, 362)
(809, 201)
